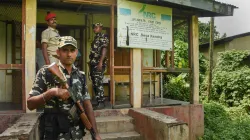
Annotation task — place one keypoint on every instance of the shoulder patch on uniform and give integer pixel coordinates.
(82, 72)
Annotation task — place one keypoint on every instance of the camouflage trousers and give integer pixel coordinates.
(97, 82)
(74, 134)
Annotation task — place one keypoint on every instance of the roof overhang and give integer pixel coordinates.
(206, 7)
(201, 8)
(181, 8)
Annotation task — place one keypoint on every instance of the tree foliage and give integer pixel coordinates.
(181, 57)
(181, 33)
(226, 116)
(222, 123)
(231, 79)
(177, 86)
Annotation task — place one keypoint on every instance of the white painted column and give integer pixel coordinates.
(30, 45)
(137, 91)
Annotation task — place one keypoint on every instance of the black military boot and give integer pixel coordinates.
(100, 103)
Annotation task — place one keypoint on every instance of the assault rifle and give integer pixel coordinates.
(54, 69)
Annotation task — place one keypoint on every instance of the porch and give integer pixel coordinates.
(134, 77)
(131, 73)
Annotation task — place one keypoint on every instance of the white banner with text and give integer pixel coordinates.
(144, 26)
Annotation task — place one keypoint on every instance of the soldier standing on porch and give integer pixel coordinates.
(50, 39)
(98, 63)
(60, 119)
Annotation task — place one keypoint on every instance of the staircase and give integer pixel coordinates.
(115, 127)
(113, 124)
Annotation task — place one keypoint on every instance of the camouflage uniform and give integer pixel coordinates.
(56, 121)
(100, 41)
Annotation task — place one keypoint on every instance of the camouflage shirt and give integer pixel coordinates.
(100, 41)
(76, 80)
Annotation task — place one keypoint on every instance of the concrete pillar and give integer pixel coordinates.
(30, 45)
(137, 78)
(195, 59)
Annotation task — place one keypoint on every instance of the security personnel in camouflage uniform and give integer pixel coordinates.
(60, 120)
(98, 62)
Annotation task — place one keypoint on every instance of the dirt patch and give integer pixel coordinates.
(7, 120)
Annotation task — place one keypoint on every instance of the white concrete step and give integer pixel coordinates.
(112, 124)
(132, 135)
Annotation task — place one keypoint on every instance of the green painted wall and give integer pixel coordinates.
(74, 18)
(63, 17)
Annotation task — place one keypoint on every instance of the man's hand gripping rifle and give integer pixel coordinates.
(54, 69)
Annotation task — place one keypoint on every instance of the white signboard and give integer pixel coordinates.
(144, 26)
